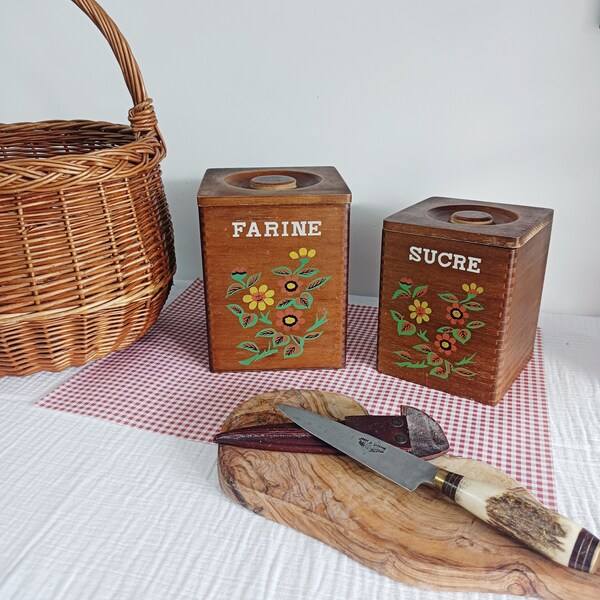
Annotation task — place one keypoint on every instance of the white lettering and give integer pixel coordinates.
(299, 228)
(271, 228)
(313, 227)
(276, 229)
(473, 266)
(238, 227)
(445, 264)
(253, 230)
(444, 259)
(414, 253)
(459, 262)
(429, 255)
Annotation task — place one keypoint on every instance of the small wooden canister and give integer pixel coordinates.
(460, 291)
(275, 262)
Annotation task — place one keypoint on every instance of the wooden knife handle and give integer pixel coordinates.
(526, 520)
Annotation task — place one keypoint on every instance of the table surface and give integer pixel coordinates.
(93, 509)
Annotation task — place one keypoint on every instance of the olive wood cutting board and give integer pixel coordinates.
(418, 538)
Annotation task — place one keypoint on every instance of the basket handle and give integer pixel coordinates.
(141, 116)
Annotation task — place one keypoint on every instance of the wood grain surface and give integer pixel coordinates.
(418, 538)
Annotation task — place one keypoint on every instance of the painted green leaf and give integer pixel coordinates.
(280, 339)
(248, 320)
(406, 328)
(266, 333)
(475, 324)
(396, 316)
(448, 297)
(419, 291)
(313, 335)
(464, 372)
(236, 309)
(250, 346)
(298, 340)
(292, 350)
(253, 279)
(403, 354)
(401, 293)
(434, 360)
(264, 318)
(423, 335)
(466, 360)
(423, 348)
(281, 271)
(234, 288)
(304, 301)
(439, 372)
(285, 303)
(411, 365)
(318, 322)
(308, 272)
(317, 283)
(445, 329)
(473, 306)
(461, 335)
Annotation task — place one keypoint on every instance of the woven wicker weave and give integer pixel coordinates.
(86, 241)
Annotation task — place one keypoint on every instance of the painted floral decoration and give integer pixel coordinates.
(449, 339)
(293, 302)
(420, 311)
(302, 253)
(259, 297)
(456, 314)
(290, 319)
(290, 285)
(472, 288)
(445, 344)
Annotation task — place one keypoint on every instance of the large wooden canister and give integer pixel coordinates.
(460, 291)
(275, 263)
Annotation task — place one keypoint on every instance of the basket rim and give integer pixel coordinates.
(50, 173)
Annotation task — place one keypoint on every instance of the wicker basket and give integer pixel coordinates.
(86, 240)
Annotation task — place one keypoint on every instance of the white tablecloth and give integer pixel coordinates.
(92, 509)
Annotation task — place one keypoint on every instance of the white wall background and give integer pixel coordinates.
(481, 99)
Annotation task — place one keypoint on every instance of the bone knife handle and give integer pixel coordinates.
(547, 532)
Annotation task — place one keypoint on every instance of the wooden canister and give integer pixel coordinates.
(460, 291)
(275, 263)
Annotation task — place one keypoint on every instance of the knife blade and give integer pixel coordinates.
(411, 429)
(526, 520)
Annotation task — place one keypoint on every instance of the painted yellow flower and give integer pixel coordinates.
(261, 297)
(302, 253)
(419, 311)
(473, 288)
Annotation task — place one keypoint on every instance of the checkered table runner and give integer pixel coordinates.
(162, 384)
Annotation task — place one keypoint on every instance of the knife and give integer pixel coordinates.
(549, 533)
(411, 430)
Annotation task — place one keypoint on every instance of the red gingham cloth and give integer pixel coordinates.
(162, 383)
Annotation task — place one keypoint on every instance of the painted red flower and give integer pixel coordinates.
(290, 319)
(457, 314)
(290, 286)
(445, 344)
(406, 280)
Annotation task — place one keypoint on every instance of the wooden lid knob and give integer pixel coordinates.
(273, 182)
(471, 217)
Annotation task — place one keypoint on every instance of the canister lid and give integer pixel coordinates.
(487, 223)
(273, 182)
(273, 186)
